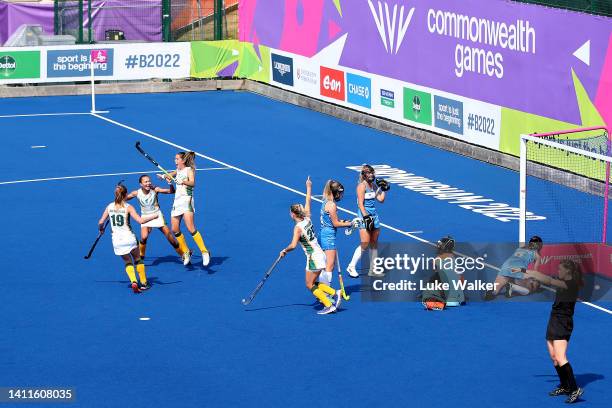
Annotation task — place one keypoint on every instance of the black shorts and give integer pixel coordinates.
(559, 327)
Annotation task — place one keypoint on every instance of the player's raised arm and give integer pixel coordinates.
(133, 194)
(168, 190)
(308, 197)
(168, 177)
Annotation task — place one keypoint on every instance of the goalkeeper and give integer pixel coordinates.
(369, 191)
(438, 299)
(510, 278)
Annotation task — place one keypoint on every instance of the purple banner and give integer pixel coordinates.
(140, 20)
(13, 15)
(509, 54)
(3, 22)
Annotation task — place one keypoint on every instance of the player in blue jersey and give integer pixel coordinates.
(517, 282)
(332, 193)
(369, 191)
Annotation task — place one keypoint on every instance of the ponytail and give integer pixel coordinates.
(188, 159)
(120, 194)
(327, 191)
(298, 210)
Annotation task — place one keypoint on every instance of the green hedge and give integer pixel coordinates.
(603, 7)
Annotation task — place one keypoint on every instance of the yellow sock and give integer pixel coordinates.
(180, 238)
(129, 268)
(140, 267)
(197, 237)
(143, 248)
(327, 289)
(319, 294)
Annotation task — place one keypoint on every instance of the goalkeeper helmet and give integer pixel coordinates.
(445, 245)
(535, 242)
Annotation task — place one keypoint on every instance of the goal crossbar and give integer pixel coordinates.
(541, 139)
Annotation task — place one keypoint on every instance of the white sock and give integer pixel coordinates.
(325, 277)
(521, 290)
(356, 256)
(373, 256)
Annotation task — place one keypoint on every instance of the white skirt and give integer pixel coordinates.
(157, 222)
(182, 205)
(315, 261)
(123, 244)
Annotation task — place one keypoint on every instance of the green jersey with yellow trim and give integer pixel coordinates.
(308, 237)
(181, 189)
(148, 202)
(119, 219)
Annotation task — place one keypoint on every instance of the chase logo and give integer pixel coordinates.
(358, 90)
(7, 65)
(282, 69)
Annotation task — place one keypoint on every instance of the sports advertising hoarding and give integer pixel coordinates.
(483, 71)
(72, 63)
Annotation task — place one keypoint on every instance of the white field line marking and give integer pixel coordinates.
(274, 183)
(38, 147)
(144, 318)
(99, 175)
(31, 115)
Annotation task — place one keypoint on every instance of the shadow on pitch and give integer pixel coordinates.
(316, 305)
(153, 280)
(214, 261)
(277, 307)
(581, 379)
(195, 265)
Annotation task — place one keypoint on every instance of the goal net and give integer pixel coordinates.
(565, 177)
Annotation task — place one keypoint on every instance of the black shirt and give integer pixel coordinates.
(565, 299)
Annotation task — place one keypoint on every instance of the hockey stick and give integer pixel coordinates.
(344, 295)
(250, 298)
(96, 241)
(356, 224)
(152, 160)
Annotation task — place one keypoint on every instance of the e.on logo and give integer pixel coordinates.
(332, 83)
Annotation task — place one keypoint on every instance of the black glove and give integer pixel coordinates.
(383, 184)
(368, 222)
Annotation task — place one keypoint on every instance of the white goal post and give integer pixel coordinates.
(574, 158)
